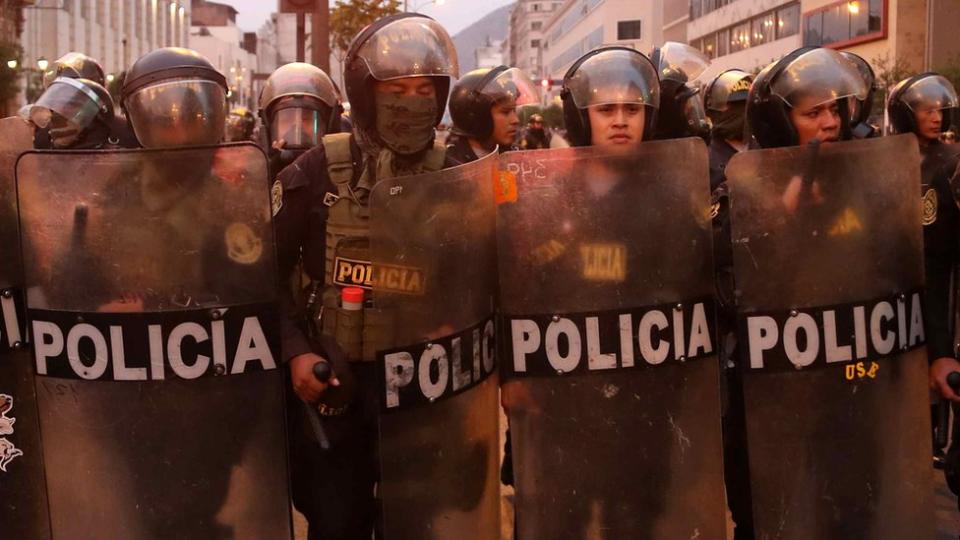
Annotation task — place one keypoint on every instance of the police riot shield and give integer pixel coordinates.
(828, 261)
(155, 340)
(23, 503)
(608, 345)
(433, 247)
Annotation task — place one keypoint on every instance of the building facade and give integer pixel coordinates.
(528, 20)
(115, 32)
(490, 55)
(215, 34)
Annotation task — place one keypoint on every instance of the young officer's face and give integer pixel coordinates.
(813, 121)
(614, 124)
(505, 122)
(929, 122)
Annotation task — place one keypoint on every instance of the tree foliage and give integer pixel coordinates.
(349, 17)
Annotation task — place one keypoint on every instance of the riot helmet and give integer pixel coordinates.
(860, 115)
(608, 75)
(918, 94)
(477, 92)
(80, 108)
(725, 101)
(299, 104)
(400, 46)
(809, 76)
(74, 65)
(681, 111)
(175, 97)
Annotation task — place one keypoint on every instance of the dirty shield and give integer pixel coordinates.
(434, 255)
(608, 342)
(23, 510)
(828, 260)
(152, 305)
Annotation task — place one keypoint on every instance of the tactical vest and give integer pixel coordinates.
(362, 333)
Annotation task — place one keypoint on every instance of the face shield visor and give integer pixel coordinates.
(930, 93)
(512, 86)
(67, 103)
(613, 77)
(178, 112)
(817, 77)
(298, 79)
(730, 87)
(681, 63)
(297, 127)
(410, 47)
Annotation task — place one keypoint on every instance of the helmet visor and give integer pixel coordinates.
(297, 128)
(180, 112)
(930, 93)
(514, 85)
(72, 101)
(681, 62)
(615, 76)
(730, 87)
(410, 47)
(298, 79)
(817, 77)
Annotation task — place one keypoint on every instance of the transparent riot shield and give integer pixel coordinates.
(23, 503)
(433, 247)
(608, 342)
(155, 339)
(828, 262)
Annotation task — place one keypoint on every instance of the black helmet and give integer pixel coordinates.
(394, 47)
(860, 116)
(479, 90)
(608, 75)
(80, 104)
(299, 104)
(74, 65)
(175, 97)
(927, 90)
(681, 111)
(816, 71)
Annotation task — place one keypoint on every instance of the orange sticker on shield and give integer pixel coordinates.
(505, 187)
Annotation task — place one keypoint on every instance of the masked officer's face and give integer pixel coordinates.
(813, 121)
(407, 86)
(505, 122)
(929, 122)
(616, 123)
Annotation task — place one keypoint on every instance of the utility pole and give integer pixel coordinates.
(320, 36)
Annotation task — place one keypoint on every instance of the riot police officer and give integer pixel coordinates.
(74, 113)
(397, 75)
(483, 105)
(535, 136)
(74, 65)
(681, 109)
(609, 98)
(240, 125)
(922, 105)
(725, 100)
(299, 104)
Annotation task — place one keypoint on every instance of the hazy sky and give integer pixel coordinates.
(453, 14)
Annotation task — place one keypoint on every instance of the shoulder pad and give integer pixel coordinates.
(339, 157)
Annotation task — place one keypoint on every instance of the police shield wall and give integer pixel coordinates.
(608, 342)
(23, 506)
(828, 269)
(154, 334)
(434, 257)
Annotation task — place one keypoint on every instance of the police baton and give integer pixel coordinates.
(323, 373)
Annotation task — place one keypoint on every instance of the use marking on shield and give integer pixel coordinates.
(930, 204)
(243, 246)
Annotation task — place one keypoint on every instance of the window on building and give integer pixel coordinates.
(740, 37)
(788, 21)
(723, 42)
(534, 43)
(536, 25)
(846, 21)
(629, 29)
(762, 29)
(536, 7)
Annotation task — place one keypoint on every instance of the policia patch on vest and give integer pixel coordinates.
(394, 278)
(930, 203)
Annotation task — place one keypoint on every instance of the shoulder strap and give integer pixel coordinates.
(339, 161)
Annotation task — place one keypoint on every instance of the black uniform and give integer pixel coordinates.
(535, 139)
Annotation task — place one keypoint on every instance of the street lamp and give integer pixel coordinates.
(416, 7)
(43, 64)
(12, 64)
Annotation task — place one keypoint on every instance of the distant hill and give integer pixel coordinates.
(494, 25)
